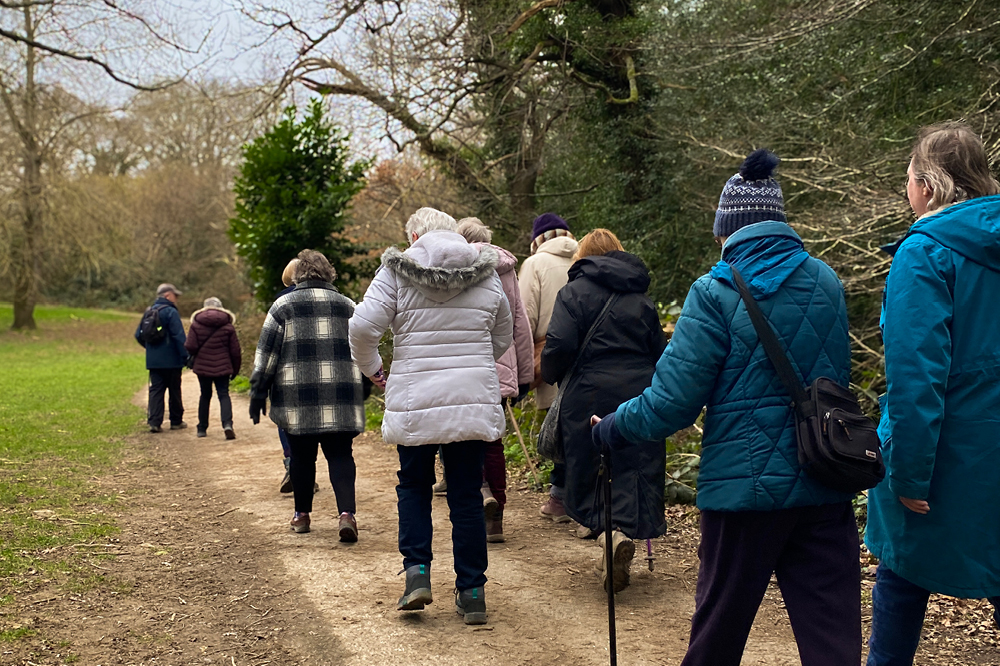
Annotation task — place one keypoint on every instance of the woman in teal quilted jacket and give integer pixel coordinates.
(760, 513)
(934, 522)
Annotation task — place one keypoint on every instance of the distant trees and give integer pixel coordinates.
(40, 42)
(292, 193)
(136, 196)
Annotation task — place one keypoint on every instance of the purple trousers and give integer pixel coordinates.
(814, 553)
(495, 471)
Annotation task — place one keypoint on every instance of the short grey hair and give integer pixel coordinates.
(474, 230)
(428, 219)
(314, 266)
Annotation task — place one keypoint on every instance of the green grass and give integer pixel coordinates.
(65, 408)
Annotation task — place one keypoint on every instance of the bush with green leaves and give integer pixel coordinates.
(293, 192)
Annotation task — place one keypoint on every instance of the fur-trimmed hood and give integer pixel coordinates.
(213, 320)
(441, 264)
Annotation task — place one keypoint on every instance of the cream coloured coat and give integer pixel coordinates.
(542, 275)
(450, 321)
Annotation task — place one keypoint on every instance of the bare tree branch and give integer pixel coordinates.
(21, 39)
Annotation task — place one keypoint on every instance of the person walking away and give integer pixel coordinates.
(450, 321)
(213, 343)
(617, 365)
(760, 512)
(288, 280)
(166, 356)
(542, 275)
(303, 364)
(934, 522)
(515, 370)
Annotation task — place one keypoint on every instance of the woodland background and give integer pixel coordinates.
(626, 114)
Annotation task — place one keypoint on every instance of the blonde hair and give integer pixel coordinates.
(598, 241)
(474, 231)
(288, 275)
(950, 160)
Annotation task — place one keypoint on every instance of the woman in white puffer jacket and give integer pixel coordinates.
(450, 321)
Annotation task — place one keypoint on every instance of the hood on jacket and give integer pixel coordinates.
(561, 246)
(441, 264)
(213, 317)
(506, 261)
(618, 271)
(970, 228)
(765, 254)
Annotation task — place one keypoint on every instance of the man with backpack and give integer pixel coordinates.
(162, 335)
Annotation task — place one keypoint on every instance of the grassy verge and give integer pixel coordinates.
(65, 394)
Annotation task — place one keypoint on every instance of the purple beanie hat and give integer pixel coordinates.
(547, 222)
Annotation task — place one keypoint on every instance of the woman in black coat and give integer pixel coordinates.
(616, 366)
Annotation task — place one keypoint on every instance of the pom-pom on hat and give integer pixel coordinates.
(547, 222)
(751, 196)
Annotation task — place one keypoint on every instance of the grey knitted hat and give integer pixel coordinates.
(751, 196)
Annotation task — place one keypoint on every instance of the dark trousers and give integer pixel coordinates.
(898, 608)
(463, 470)
(160, 381)
(557, 477)
(338, 450)
(814, 553)
(225, 404)
(283, 438)
(495, 471)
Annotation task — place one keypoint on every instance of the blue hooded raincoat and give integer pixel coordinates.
(749, 459)
(940, 425)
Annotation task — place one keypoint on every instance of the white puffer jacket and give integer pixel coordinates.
(450, 322)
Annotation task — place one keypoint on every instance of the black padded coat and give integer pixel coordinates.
(616, 366)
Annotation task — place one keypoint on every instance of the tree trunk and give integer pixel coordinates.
(26, 258)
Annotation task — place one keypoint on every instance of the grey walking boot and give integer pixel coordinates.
(418, 588)
(471, 604)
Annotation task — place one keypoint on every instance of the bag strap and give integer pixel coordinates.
(769, 340)
(587, 338)
(202, 345)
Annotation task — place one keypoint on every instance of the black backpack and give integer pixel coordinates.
(151, 329)
(838, 445)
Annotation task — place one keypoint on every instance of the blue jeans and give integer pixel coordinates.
(898, 608)
(463, 470)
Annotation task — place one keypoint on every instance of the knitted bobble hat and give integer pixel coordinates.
(751, 196)
(547, 222)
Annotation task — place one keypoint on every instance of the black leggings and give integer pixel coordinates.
(337, 447)
(205, 401)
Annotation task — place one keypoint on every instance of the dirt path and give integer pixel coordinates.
(545, 602)
(205, 571)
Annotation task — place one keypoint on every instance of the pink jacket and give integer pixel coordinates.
(517, 365)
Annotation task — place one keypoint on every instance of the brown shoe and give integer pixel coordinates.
(555, 510)
(348, 528)
(300, 522)
(623, 551)
(494, 528)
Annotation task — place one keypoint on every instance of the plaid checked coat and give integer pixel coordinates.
(303, 363)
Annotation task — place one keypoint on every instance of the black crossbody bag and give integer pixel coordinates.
(838, 445)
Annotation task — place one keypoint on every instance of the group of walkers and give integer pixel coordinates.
(469, 337)
(210, 348)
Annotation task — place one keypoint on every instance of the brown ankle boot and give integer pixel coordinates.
(494, 528)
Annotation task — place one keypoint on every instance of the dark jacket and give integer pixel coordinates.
(617, 365)
(169, 352)
(303, 363)
(749, 456)
(213, 340)
(940, 424)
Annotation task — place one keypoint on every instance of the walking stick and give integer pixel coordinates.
(517, 429)
(609, 557)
